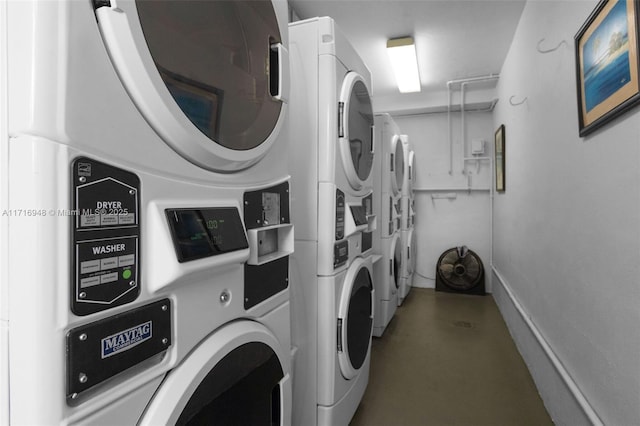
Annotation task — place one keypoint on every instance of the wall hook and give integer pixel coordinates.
(516, 103)
(549, 50)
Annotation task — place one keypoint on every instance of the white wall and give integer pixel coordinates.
(445, 223)
(567, 229)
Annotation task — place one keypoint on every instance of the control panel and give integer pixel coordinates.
(340, 253)
(105, 249)
(367, 236)
(359, 214)
(205, 232)
(392, 222)
(340, 214)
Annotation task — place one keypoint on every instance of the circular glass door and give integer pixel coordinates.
(242, 389)
(356, 130)
(397, 262)
(356, 313)
(395, 255)
(412, 171)
(397, 178)
(236, 376)
(205, 74)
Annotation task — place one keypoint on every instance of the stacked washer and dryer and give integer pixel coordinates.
(146, 224)
(389, 174)
(332, 155)
(409, 236)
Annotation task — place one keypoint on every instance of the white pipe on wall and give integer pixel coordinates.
(474, 79)
(463, 82)
(462, 133)
(449, 128)
(491, 200)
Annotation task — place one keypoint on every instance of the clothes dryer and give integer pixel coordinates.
(408, 193)
(387, 279)
(391, 166)
(409, 236)
(332, 208)
(147, 199)
(389, 177)
(409, 254)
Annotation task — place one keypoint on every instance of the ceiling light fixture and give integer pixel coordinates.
(402, 53)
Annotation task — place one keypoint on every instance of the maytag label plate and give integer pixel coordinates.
(126, 339)
(102, 349)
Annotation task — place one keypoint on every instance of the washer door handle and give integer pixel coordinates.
(279, 72)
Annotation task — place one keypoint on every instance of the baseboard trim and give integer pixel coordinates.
(572, 387)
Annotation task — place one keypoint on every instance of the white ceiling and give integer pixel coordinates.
(454, 39)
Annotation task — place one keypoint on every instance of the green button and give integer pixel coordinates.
(126, 274)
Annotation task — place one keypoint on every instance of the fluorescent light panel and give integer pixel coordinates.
(402, 53)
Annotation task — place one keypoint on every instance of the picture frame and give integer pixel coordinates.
(607, 63)
(499, 154)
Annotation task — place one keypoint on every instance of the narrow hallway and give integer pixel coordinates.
(448, 359)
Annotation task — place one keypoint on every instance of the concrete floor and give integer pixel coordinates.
(448, 359)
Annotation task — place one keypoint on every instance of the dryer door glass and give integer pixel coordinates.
(413, 251)
(397, 262)
(361, 129)
(359, 319)
(216, 59)
(242, 389)
(412, 170)
(399, 166)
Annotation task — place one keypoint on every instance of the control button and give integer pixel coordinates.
(127, 219)
(87, 220)
(89, 266)
(108, 263)
(108, 219)
(128, 260)
(88, 282)
(109, 278)
(126, 274)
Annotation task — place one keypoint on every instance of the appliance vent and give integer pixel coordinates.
(460, 270)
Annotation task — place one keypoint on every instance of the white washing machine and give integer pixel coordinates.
(389, 173)
(387, 279)
(145, 200)
(408, 266)
(409, 236)
(408, 193)
(391, 168)
(332, 156)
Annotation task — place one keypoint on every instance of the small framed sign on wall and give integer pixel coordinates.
(500, 158)
(607, 63)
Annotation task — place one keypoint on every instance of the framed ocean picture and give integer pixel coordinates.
(500, 158)
(607, 63)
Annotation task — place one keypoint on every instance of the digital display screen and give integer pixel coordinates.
(199, 233)
(359, 216)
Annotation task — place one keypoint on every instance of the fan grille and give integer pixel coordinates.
(460, 272)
